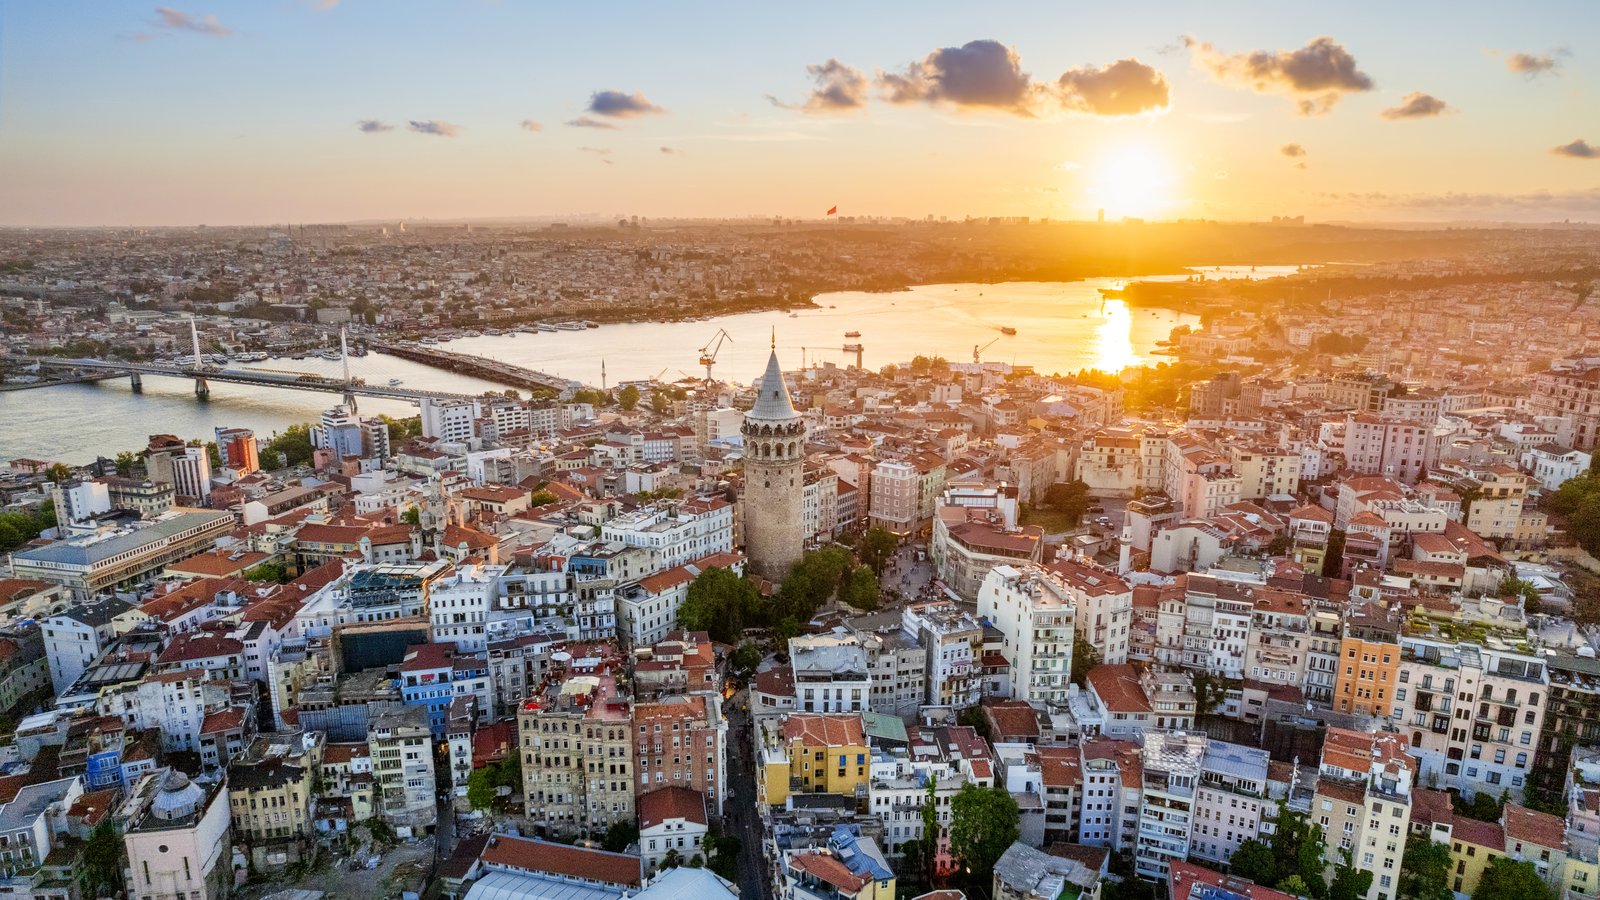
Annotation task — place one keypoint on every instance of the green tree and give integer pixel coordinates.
(542, 497)
(1295, 886)
(1506, 879)
(1425, 870)
(213, 455)
(628, 397)
(877, 547)
(718, 602)
(1349, 883)
(1256, 861)
(293, 445)
(1084, 658)
(723, 856)
(58, 472)
(863, 591)
(1512, 586)
(930, 824)
(1069, 498)
(481, 791)
(1334, 561)
(126, 460)
(983, 824)
(620, 836)
(746, 660)
(275, 570)
(671, 861)
(411, 516)
(102, 861)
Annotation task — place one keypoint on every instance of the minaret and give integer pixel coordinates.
(774, 483)
(1125, 550)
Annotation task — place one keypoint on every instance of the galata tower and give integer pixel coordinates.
(774, 483)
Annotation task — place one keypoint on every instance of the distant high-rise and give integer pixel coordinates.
(237, 448)
(191, 475)
(774, 484)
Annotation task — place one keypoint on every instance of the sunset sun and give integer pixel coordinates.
(1133, 180)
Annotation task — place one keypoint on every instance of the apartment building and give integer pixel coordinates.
(1363, 803)
(1171, 766)
(401, 748)
(1104, 605)
(577, 748)
(805, 753)
(1035, 613)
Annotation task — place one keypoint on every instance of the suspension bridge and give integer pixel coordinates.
(220, 367)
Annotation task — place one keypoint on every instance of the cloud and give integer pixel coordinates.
(531, 125)
(1292, 150)
(1126, 87)
(597, 151)
(1530, 64)
(1579, 149)
(986, 74)
(1315, 76)
(982, 74)
(838, 88)
(1417, 105)
(373, 126)
(1299, 165)
(178, 20)
(436, 127)
(591, 122)
(618, 105)
(1220, 175)
(1070, 166)
(670, 150)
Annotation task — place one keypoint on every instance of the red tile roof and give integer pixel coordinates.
(824, 730)
(530, 855)
(671, 803)
(1533, 827)
(1118, 688)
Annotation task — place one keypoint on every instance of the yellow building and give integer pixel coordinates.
(1472, 845)
(1369, 662)
(271, 799)
(1497, 512)
(815, 754)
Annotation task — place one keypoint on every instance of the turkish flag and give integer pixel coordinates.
(832, 210)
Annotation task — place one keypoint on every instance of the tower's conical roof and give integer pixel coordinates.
(772, 400)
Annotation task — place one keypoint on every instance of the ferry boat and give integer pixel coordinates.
(546, 326)
(395, 382)
(429, 340)
(852, 334)
(1007, 329)
(570, 326)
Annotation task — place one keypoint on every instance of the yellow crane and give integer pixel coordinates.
(708, 353)
(976, 350)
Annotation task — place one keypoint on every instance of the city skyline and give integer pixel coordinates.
(227, 113)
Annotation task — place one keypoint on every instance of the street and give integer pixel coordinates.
(741, 818)
(905, 574)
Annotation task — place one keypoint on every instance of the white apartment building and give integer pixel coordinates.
(1553, 466)
(73, 639)
(831, 674)
(1104, 603)
(459, 605)
(1172, 765)
(674, 532)
(1035, 612)
(952, 640)
(449, 420)
(1230, 801)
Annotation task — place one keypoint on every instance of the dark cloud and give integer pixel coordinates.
(373, 126)
(1530, 64)
(670, 150)
(1314, 76)
(1292, 150)
(178, 20)
(986, 74)
(618, 105)
(437, 127)
(838, 88)
(597, 151)
(1417, 105)
(1579, 149)
(591, 122)
(1126, 87)
(532, 125)
(978, 74)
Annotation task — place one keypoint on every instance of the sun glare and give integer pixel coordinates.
(1132, 181)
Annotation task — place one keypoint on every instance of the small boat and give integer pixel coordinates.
(794, 315)
(1007, 329)
(852, 334)
(394, 382)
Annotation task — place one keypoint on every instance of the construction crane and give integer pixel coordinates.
(976, 350)
(708, 353)
(857, 349)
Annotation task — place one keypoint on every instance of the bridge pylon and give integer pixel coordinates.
(136, 382)
(202, 391)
